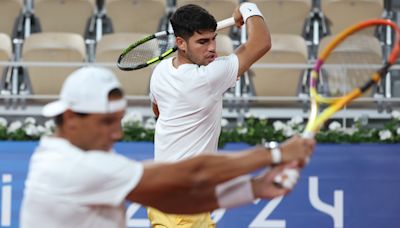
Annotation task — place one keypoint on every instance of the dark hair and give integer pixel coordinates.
(114, 93)
(59, 119)
(191, 18)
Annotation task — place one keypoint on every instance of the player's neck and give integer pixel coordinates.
(180, 59)
(70, 137)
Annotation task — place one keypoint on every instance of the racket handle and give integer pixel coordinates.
(225, 23)
(307, 135)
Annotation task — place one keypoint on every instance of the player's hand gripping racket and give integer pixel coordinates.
(154, 48)
(340, 87)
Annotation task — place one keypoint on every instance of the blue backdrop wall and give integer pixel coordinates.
(355, 186)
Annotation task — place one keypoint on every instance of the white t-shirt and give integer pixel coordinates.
(70, 188)
(189, 99)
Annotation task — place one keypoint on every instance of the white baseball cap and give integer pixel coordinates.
(86, 91)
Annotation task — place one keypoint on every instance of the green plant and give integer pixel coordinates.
(252, 131)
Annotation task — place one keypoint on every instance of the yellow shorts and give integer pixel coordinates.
(160, 219)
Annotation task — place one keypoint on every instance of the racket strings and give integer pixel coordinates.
(345, 77)
(147, 51)
(351, 65)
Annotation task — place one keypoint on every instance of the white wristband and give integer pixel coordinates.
(235, 192)
(249, 9)
(276, 153)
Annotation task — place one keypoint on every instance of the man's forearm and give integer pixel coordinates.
(220, 168)
(164, 180)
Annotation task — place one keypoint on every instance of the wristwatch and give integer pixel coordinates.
(276, 153)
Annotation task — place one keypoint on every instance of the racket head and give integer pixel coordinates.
(144, 52)
(359, 77)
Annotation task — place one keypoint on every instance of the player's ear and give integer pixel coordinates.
(181, 43)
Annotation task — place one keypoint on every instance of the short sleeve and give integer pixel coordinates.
(151, 94)
(104, 178)
(152, 98)
(222, 73)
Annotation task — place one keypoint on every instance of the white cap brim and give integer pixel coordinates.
(54, 109)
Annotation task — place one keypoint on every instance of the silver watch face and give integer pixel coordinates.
(273, 145)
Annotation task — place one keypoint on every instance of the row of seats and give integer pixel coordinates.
(70, 48)
(285, 18)
(143, 16)
(74, 15)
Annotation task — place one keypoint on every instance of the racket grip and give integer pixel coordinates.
(307, 135)
(225, 23)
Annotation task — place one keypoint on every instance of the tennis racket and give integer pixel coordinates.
(357, 73)
(154, 48)
(341, 86)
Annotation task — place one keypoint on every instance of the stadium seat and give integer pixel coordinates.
(344, 13)
(63, 15)
(139, 16)
(108, 50)
(286, 49)
(9, 11)
(361, 49)
(284, 16)
(5, 55)
(224, 45)
(220, 9)
(5, 49)
(52, 48)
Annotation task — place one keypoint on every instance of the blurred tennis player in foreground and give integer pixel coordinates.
(76, 180)
(187, 90)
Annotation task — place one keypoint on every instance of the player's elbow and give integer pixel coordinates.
(261, 49)
(266, 46)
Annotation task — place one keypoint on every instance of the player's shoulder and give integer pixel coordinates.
(224, 61)
(227, 58)
(163, 64)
